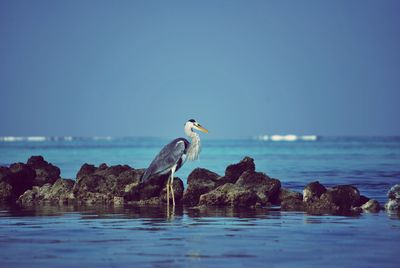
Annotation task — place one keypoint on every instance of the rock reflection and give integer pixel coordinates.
(135, 212)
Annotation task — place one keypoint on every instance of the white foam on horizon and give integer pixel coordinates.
(36, 138)
(289, 137)
(11, 139)
(106, 138)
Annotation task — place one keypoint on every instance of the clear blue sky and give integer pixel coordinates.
(241, 68)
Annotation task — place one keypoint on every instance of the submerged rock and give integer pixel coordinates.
(200, 181)
(393, 204)
(45, 172)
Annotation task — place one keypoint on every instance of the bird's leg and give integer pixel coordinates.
(168, 192)
(172, 185)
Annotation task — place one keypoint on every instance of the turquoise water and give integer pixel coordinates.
(135, 237)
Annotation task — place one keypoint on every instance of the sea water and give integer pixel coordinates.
(69, 236)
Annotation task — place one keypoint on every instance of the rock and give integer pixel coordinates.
(20, 177)
(291, 200)
(200, 181)
(4, 173)
(289, 194)
(229, 194)
(345, 196)
(371, 206)
(394, 192)
(393, 203)
(267, 189)
(58, 193)
(233, 172)
(6, 194)
(86, 169)
(313, 191)
(152, 191)
(178, 191)
(104, 185)
(363, 200)
(45, 172)
(343, 199)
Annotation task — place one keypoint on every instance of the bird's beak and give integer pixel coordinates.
(202, 129)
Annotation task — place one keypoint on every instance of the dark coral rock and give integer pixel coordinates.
(229, 195)
(4, 173)
(58, 193)
(345, 196)
(233, 172)
(86, 169)
(45, 172)
(178, 191)
(313, 191)
(362, 201)
(371, 206)
(291, 200)
(6, 194)
(266, 188)
(343, 199)
(21, 178)
(393, 204)
(104, 185)
(152, 191)
(200, 181)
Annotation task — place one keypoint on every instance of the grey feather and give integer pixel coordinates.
(169, 156)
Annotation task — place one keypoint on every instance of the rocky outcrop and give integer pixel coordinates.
(291, 200)
(313, 191)
(234, 171)
(100, 185)
(229, 194)
(200, 181)
(240, 186)
(342, 199)
(121, 184)
(152, 191)
(393, 204)
(371, 206)
(267, 189)
(39, 182)
(15, 180)
(45, 172)
(58, 193)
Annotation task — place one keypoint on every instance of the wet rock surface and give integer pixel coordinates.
(393, 204)
(45, 172)
(58, 193)
(15, 179)
(200, 181)
(291, 200)
(39, 182)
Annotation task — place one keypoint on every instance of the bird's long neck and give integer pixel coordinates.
(194, 147)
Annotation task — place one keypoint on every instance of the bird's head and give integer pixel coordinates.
(193, 124)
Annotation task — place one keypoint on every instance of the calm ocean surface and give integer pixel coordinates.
(129, 236)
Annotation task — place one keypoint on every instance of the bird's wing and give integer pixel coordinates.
(166, 158)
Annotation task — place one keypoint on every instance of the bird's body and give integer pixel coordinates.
(174, 154)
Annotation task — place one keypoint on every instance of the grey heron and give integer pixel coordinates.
(174, 154)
